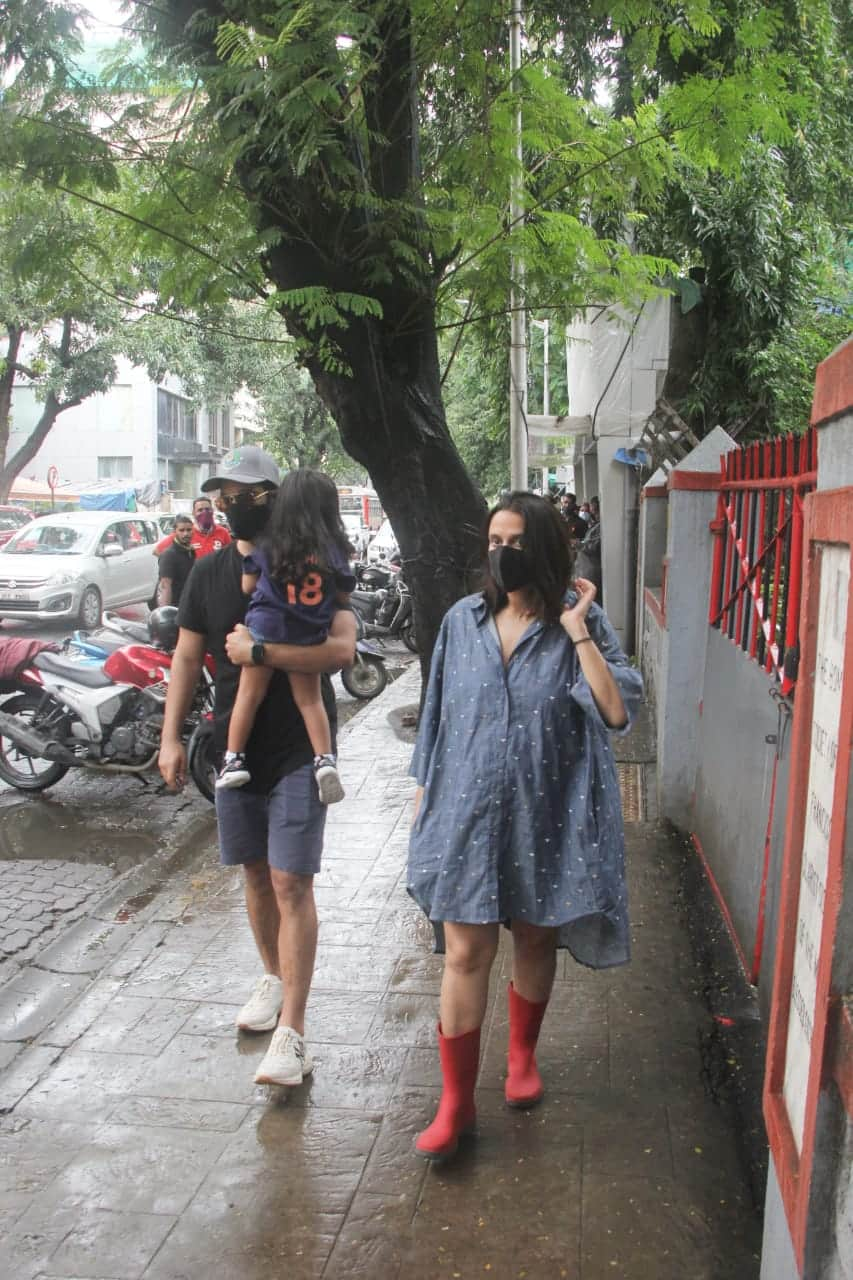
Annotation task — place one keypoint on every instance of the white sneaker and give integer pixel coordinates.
(261, 1010)
(286, 1061)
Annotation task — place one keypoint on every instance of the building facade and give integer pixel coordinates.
(139, 431)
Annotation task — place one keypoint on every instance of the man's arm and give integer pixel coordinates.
(186, 668)
(337, 651)
(164, 591)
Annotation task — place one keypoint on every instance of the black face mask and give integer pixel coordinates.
(248, 518)
(511, 568)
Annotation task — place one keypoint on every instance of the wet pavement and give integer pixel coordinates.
(133, 1142)
(62, 849)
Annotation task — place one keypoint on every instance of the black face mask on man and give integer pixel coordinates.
(247, 517)
(511, 568)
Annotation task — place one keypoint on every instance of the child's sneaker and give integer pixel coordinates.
(328, 779)
(233, 772)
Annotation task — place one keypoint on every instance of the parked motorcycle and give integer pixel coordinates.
(367, 676)
(371, 577)
(67, 711)
(387, 612)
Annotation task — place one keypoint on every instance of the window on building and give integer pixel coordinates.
(115, 468)
(219, 428)
(175, 416)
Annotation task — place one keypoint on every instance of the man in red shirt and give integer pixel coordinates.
(207, 534)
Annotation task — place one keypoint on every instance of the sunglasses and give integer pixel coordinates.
(254, 496)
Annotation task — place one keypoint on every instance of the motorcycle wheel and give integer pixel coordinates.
(26, 773)
(366, 679)
(407, 635)
(201, 761)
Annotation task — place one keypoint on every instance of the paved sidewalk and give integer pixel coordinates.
(134, 1143)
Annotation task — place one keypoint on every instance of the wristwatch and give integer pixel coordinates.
(258, 653)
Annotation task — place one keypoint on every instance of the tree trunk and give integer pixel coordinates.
(388, 405)
(32, 444)
(7, 383)
(391, 420)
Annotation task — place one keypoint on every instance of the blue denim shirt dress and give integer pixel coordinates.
(521, 816)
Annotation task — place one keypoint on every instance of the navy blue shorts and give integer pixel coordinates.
(285, 827)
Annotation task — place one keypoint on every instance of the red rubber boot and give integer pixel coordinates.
(456, 1116)
(523, 1083)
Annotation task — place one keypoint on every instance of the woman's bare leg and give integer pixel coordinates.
(471, 949)
(534, 960)
(251, 691)
(307, 696)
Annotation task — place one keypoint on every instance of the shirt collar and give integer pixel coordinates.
(479, 606)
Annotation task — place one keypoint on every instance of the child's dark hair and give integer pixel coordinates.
(546, 541)
(305, 525)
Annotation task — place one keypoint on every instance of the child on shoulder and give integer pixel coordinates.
(298, 575)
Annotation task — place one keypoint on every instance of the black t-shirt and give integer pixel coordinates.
(577, 525)
(212, 604)
(175, 563)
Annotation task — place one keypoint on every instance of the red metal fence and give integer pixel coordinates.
(758, 552)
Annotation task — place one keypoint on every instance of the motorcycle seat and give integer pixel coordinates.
(137, 631)
(78, 672)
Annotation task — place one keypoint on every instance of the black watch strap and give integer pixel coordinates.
(258, 653)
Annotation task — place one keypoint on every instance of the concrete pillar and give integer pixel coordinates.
(617, 492)
(693, 486)
(651, 545)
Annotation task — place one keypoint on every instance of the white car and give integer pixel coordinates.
(383, 544)
(74, 564)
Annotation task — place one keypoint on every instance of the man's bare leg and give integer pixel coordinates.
(263, 913)
(297, 943)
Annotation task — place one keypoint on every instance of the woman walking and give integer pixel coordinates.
(518, 816)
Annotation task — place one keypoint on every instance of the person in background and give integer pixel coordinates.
(208, 536)
(588, 551)
(517, 813)
(571, 515)
(175, 563)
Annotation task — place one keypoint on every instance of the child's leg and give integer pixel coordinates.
(251, 691)
(306, 694)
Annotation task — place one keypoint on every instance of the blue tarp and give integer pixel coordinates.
(114, 500)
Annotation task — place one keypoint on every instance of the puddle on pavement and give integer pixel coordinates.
(37, 831)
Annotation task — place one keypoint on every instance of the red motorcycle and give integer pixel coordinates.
(70, 711)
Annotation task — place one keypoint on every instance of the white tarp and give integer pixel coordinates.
(614, 361)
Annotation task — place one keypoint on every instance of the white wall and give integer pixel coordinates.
(120, 423)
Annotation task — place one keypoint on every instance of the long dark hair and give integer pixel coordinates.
(305, 525)
(546, 541)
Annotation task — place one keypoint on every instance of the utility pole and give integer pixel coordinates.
(546, 389)
(518, 316)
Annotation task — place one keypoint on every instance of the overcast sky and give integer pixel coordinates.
(106, 14)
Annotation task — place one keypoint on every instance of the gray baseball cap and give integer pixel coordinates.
(248, 464)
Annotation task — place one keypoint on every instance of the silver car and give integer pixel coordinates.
(74, 564)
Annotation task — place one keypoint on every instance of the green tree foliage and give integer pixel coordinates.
(348, 166)
(764, 236)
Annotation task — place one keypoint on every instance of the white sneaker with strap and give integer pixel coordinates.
(286, 1061)
(261, 1010)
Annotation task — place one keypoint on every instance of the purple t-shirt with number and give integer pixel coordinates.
(298, 612)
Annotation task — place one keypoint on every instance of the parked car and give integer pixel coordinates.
(73, 564)
(165, 521)
(383, 544)
(11, 520)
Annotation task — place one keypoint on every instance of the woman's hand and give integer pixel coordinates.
(573, 617)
